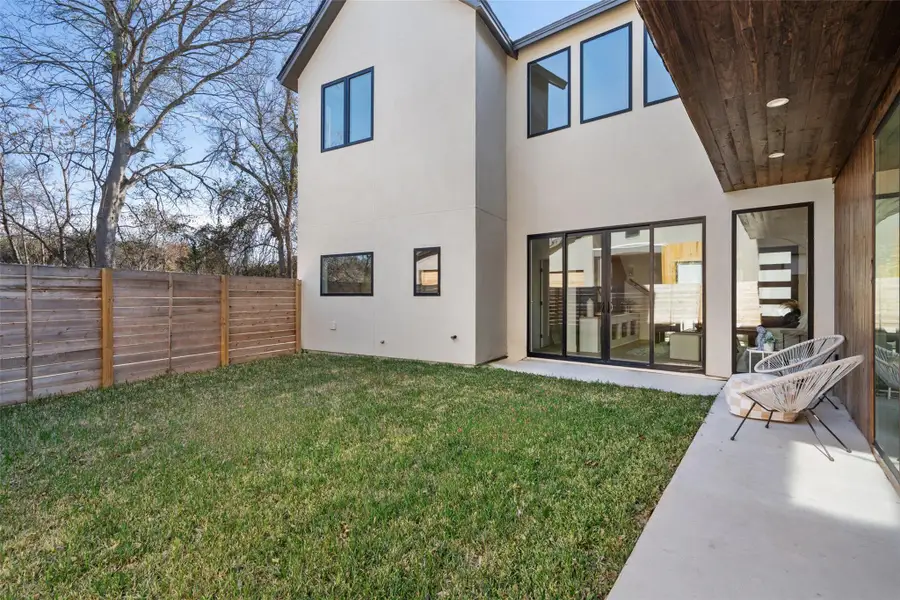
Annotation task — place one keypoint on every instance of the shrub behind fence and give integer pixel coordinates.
(68, 329)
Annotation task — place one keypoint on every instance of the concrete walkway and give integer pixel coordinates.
(768, 517)
(667, 381)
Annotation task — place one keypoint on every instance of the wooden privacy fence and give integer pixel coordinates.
(67, 329)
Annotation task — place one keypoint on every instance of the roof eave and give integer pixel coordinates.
(566, 22)
(309, 41)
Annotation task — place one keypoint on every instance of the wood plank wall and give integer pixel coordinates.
(854, 223)
(63, 330)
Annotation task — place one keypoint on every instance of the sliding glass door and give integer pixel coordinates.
(616, 295)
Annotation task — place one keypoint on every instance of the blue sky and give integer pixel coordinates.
(520, 17)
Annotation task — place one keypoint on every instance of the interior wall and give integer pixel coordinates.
(854, 256)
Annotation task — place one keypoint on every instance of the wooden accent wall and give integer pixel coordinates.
(64, 330)
(854, 252)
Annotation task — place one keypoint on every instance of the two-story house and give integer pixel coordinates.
(466, 197)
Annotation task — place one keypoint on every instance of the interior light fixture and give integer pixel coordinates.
(777, 102)
(776, 155)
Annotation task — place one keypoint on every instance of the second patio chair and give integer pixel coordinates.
(797, 392)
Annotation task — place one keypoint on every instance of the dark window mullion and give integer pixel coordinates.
(346, 111)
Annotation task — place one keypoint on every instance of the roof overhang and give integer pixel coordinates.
(832, 60)
(566, 22)
(327, 12)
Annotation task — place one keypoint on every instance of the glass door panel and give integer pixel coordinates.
(584, 295)
(678, 295)
(887, 289)
(630, 275)
(545, 318)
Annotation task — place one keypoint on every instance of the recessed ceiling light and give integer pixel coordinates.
(776, 155)
(777, 102)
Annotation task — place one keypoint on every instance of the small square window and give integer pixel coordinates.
(548, 93)
(347, 274)
(427, 271)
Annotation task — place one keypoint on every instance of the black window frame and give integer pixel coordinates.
(568, 51)
(810, 270)
(322, 258)
(346, 81)
(649, 41)
(630, 74)
(416, 291)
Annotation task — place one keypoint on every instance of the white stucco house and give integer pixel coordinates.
(433, 148)
(589, 193)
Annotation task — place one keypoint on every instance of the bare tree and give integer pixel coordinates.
(254, 130)
(140, 66)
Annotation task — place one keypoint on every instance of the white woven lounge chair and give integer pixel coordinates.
(799, 357)
(797, 392)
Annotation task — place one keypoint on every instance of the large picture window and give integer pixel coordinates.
(347, 110)
(773, 270)
(548, 93)
(606, 74)
(658, 85)
(347, 274)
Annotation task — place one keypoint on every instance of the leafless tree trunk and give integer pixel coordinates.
(141, 65)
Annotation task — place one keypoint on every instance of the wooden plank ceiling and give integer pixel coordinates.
(832, 60)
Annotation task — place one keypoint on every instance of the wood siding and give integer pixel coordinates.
(854, 222)
(727, 59)
(63, 330)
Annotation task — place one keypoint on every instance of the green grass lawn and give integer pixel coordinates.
(321, 476)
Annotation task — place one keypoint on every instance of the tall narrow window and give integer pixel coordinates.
(427, 271)
(347, 274)
(548, 93)
(606, 74)
(347, 110)
(773, 271)
(658, 85)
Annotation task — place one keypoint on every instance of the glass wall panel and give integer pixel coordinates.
(887, 289)
(584, 325)
(629, 287)
(678, 294)
(772, 249)
(545, 264)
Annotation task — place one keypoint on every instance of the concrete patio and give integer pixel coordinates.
(667, 381)
(769, 517)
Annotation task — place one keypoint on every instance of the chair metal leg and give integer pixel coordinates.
(743, 420)
(824, 448)
(822, 423)
(830, 401)
(769, 420)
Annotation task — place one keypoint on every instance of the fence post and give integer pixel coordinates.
(29, 337)
(223, 320)
(106, 327)
(297, 304)
(171, 302)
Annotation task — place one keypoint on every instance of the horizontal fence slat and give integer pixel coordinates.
(156, 326)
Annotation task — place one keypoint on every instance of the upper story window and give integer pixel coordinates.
(347, 110)
(548, 93)
(658, 86)
(606, 74)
